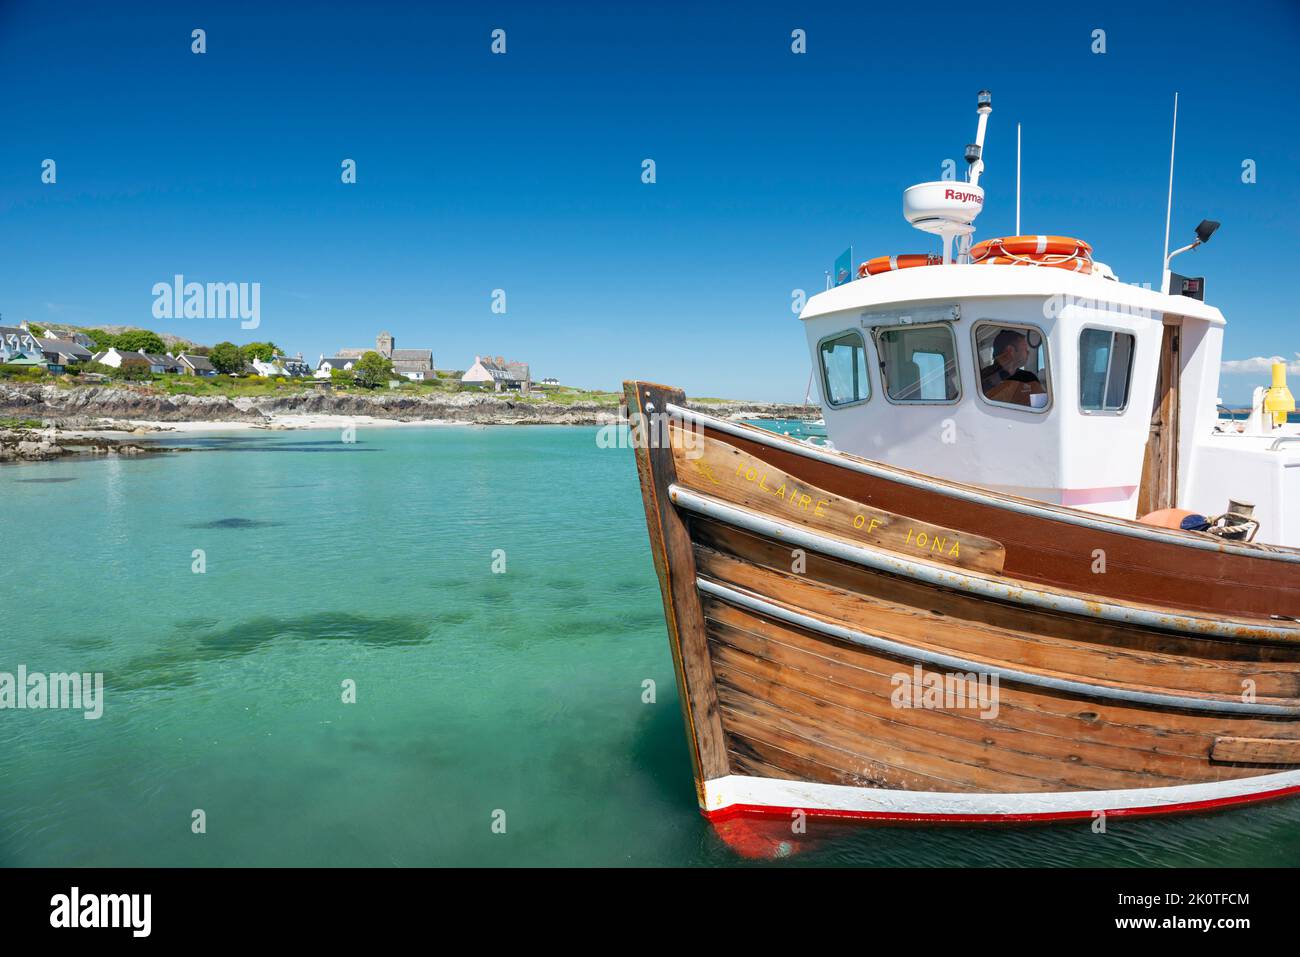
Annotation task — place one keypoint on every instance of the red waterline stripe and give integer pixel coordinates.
(767, 810)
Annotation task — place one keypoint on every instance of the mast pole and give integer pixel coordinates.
(1017, 179)
(1169, 208)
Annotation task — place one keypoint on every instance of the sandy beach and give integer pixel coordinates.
(147, 428)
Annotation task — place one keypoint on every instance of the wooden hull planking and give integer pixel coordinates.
(854, 643)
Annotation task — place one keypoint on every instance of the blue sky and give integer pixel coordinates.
(523, 171)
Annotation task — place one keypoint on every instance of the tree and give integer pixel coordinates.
(140, 340)
(134, 371)
(342, 377)
(266, 351)
(373, 370)
(102, 340)
(226, 357)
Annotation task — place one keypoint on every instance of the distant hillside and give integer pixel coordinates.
(170, 340)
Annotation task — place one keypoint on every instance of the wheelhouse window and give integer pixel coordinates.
(1012, 364)
(844, 369)
(1105, 370)
(919, 363)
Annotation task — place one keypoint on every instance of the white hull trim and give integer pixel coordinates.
(737, 794)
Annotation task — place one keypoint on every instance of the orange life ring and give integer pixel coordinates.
(1059, 252)
(1031, 246)
(873, 267)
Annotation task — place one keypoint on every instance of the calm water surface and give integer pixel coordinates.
(476, 691)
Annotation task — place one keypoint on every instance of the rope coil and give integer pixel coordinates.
(1234, 526)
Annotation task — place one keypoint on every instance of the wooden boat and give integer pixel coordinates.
(857, 637)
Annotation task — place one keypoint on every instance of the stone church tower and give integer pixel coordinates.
(384, 345)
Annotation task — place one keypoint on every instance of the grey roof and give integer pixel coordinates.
(337, 362)
(506, 372)
(425, 355)
(67, 333)
(197, 363)
(167, 362)
(64, 347)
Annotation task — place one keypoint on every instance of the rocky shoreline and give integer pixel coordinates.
(32, 445)
(53, 421)
(109, 407)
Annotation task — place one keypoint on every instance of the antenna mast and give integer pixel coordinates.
(975, 157)
(1169, 208)
(947, 209)
(1017, 179)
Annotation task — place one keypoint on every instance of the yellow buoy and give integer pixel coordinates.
(1278, 400)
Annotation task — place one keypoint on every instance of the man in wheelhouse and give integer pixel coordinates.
(1006, 379)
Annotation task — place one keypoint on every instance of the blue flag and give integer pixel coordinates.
(844, 267)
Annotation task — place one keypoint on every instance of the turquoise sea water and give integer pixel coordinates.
(476, 692)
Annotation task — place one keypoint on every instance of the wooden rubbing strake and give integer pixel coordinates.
(1256, 750)
(719, 469)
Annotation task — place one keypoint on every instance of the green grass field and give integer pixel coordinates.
(447, 383)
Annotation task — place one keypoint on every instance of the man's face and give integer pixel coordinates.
(1015, 355)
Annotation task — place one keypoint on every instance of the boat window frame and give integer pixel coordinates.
(821, 365)
(1132, 365)
(876, 332)
(979, 379)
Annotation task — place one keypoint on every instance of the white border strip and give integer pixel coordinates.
(954, 663)
(1062, 514)
(721, 793)
(1001, 590)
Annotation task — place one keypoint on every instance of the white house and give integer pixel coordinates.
(67, 333)
(327, 365)
(283, 366)
(293, 365)
(15, 341)
(117, 357)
